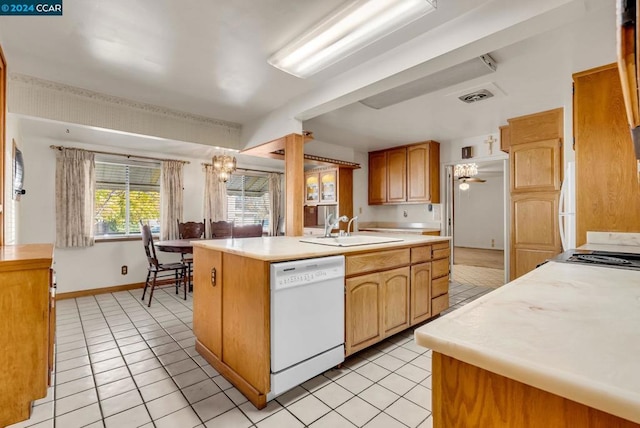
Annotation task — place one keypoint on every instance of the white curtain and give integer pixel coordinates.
(172, 204)
(75, 192)
(215, 196)
(275, 203)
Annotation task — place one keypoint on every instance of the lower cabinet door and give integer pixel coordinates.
(395, 295)
(363, 312)
(207, 299)
(420, 292)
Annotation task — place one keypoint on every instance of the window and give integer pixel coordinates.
(125, 194)
(248, 199)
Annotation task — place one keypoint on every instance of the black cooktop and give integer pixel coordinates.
(600, 258)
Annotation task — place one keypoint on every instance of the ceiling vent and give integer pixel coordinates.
(473, 97)
(459, 73)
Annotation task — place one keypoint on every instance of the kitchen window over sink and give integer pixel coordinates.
(126, 192)
(248, 199)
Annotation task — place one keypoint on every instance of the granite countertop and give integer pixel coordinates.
(281, 248)
(389, 226)
(567, 329)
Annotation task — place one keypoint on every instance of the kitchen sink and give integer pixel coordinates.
(348, 241)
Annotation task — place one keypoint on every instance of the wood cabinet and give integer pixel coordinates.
(505, 141)
(420, 292)
(26, 328)
(492, 400)
(535, 164)
(207, 298)
(395, 295)
(397, 175)
(377, 178)
(231, 319)
(363, 312)
(388, 291)
(328, 186)
(407, 174)
(321, 186)
(607, 191)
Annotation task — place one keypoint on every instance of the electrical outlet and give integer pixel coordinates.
(405, 213)
(124, 269)
(360, 210)
(493, 243)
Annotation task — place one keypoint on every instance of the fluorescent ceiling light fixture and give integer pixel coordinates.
(458, 73)
(344, 32)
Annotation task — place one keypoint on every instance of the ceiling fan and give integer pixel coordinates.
(465, 173)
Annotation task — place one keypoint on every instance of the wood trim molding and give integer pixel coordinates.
(103, 290)
(3, 124)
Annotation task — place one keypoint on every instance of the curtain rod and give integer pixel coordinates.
(249, 169)
(117, 154)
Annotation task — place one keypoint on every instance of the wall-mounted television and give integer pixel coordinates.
(18, 173)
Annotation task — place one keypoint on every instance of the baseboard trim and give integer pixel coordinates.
(95, 291)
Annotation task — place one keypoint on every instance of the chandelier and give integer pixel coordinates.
(224, 166)
(464, 172)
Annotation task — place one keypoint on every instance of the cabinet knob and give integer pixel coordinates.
(213, 277)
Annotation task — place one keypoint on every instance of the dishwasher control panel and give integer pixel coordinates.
(301, 272)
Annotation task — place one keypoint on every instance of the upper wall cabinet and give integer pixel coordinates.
(321, 187)
(407, 174)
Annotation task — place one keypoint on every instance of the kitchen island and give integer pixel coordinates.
(388, 287)
(559, 346)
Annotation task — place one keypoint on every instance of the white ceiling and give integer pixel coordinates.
(209, 58)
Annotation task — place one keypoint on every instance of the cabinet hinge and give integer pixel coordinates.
(574, 144)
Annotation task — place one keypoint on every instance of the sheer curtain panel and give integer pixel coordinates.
(75, 188)
(215, 195)
(275, 203)
(171, 199)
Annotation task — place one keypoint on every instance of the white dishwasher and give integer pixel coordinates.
(307, 320)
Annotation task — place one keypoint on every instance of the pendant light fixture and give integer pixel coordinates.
(224, 166)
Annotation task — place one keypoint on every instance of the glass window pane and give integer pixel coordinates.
(248, 199)
(126, 194)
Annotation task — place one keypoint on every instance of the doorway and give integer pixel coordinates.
(478, 219)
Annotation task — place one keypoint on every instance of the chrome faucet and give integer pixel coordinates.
(331, 222)
(349, 225)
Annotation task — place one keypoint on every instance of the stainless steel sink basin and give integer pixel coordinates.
(349, 241)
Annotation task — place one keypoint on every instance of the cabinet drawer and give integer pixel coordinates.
(439, 286)
(379, 260)
(439, 304)
(440, 268)
(440, 254)
(421, 254)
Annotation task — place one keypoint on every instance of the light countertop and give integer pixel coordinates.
(27, 256)
(399, 229)
(566, 329)
(280, 248)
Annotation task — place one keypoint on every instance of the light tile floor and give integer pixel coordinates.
(121, 364)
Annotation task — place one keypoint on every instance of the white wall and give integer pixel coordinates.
(97, 266)
(11, 206)
(479, 214)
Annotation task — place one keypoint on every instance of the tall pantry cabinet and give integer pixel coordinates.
(607, 190)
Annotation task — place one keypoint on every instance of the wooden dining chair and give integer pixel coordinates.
(221, 229)
(191, 229)
(178, 270)
(247, 231)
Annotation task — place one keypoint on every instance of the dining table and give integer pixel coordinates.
(182, 246)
